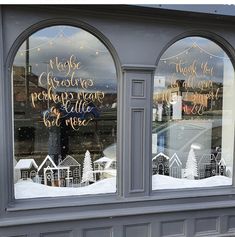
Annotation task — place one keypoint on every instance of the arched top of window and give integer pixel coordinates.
(194, 44)
(63, 45)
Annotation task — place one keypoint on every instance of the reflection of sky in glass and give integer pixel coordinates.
(64, 41)
(207, 46)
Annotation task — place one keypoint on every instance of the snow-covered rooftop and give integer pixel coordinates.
(26, 164)
(69, 161)
(159, 155)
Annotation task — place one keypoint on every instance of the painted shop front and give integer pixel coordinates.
(117, 121)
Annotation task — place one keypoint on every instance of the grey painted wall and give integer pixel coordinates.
(136, 39)
(216, 9)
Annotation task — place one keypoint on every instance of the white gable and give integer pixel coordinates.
(25, 164)
(175, 159)
(47, 158)
(160, 154)
(222, 162)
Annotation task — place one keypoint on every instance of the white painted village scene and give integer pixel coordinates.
(99, 176)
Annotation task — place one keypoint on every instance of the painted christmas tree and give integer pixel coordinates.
(87, 174)
(191, 170)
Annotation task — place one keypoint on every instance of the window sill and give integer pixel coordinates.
(125, 209)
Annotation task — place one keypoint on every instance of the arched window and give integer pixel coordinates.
(65, 96)
(193, 114)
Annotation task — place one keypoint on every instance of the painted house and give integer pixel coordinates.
(104, 168)
(161, 164)
(73, 178)
(28, 168)
(211, 165)
(175, 166)
(206, 166)
(46, 171)
(221, 167)
(101, 163)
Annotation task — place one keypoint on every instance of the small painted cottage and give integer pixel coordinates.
(74, 175)
(161, 164)
(28, 168)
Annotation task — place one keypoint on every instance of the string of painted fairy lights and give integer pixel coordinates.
(52, 41)
(86, 46)
(194, 45)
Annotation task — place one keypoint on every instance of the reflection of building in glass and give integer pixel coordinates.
(33, 138)
(21, 108)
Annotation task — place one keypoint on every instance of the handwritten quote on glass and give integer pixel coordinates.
(69, 97)
(194, 82)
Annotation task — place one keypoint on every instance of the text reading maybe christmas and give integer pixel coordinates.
(68, 97)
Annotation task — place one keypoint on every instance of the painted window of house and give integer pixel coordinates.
(24, 175)
(76, 172)
(193, 116)
(65, 114)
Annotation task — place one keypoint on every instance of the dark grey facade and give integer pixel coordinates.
(136, 37)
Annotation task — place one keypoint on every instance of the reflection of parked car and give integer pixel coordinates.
(178, 136)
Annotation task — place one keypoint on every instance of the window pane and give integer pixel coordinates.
(193, 116)
(65, 114)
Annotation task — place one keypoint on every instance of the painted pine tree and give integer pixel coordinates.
(87, 174)
(191, 171)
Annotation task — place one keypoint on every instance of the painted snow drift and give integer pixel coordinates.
(29, 189)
